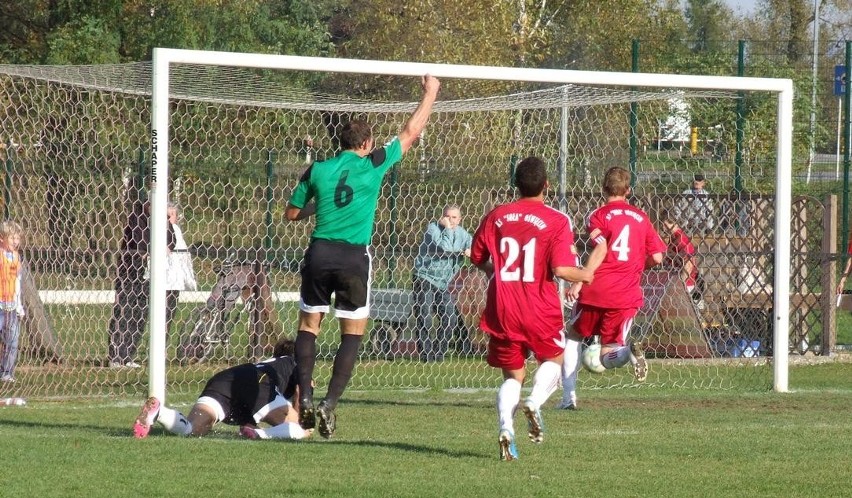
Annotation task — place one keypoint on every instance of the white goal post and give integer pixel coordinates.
(164, 58)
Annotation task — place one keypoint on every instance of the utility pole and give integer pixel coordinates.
(812, 130)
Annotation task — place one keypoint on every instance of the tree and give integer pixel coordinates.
(85, 40)
(708, 21)
(22, 29)
(475, 32)
(788, 23)
(102, 31)
(594, 35)
(263, 26)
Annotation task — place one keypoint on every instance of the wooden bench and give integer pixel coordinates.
(390, 310)
(393, 333)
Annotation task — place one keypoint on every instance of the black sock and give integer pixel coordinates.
(306, 358)
(344, 363)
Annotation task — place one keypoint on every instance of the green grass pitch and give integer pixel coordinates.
(622, 442)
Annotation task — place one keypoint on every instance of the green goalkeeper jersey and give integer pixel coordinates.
(346, 189)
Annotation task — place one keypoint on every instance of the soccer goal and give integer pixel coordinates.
(572, 95)
(226, 136)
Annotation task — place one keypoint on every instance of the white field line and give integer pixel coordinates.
(108, 296)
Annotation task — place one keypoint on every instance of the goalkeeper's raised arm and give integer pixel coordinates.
(415, 124)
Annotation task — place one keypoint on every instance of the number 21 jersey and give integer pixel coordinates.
(524, 240)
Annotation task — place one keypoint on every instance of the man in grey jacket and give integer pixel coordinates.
(695, 209)
(442, 251)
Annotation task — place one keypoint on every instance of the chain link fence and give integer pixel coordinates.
(76, 170)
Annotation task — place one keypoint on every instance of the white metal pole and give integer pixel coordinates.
(562, 166)
(783, 202)
(157, 250)
(815, 65)
(784, 87)
(563, 158)
(417, 69)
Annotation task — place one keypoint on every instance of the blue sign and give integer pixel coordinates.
(840, 79)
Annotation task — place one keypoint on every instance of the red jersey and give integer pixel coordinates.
(680, 245)
(680, 250)
(630, 239)
(524, 240)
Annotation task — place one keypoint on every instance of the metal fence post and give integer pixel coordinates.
(847, 123)
(738, 160)
(634, 110)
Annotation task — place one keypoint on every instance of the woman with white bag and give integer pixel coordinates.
(179, 273)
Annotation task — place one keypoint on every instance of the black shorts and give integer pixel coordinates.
(242, 392)
(339, 268)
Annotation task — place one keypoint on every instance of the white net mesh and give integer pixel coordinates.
(75, 150)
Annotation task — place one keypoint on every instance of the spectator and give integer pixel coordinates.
(179, 273)
(841, 284)
(524, 245)
(695, 209)
(244, 395)
(441, 253)
(735, 214)
(11, 305)
(680, 255)
(346, 190)
(130, 310)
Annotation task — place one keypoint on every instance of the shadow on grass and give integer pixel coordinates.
(418, 402)
(63, 425)
(428, 450)
(219, 435)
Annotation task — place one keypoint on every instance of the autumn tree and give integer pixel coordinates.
(708, 21)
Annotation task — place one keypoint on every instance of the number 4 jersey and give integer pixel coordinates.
(524, 240)
(631, 239)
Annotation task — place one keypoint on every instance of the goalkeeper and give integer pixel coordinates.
(241, 395)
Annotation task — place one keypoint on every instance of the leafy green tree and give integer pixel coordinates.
(22, 28)
(708, 21)
(788, 24)
(477, 32)
(593, 35)
(85, 40)
(71, 31)
(101, 31)
(263, 26)
(573, 34)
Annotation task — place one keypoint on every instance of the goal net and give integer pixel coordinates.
(226, 137)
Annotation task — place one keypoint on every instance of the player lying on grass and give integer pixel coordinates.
(243, 395)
